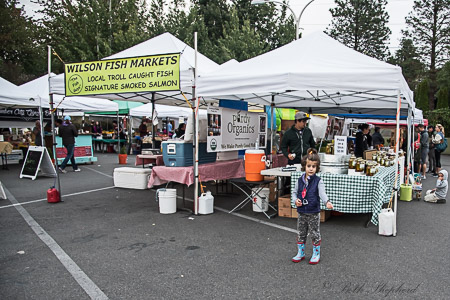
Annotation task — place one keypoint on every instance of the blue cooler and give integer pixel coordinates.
(181, 154)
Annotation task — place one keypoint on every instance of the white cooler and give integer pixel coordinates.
(131, 178)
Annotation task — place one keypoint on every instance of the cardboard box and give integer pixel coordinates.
(368, 154)
(324, 215)
(284, 212)
(272, 192)
(294, 213)
(284, 201)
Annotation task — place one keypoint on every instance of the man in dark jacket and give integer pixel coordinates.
(361, 140)
(377, 138)
(297, 140)
(68, 132)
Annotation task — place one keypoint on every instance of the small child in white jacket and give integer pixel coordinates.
(439, 194)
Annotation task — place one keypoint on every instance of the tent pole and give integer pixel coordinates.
(41, 119)
(53, 121)
(118, 133)
(197, 102)
(273, 130)
(397, 137)
(408, 147)
(153, 116)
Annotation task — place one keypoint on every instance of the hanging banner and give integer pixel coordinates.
(231, 129)
(124, 75)
(22, 114)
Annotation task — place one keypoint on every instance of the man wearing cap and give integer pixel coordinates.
(297, 140)
(68, 132)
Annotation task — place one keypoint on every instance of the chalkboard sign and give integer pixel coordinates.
(37, 159)
(32, 162)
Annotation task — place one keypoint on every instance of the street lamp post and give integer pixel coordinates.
(297, 20)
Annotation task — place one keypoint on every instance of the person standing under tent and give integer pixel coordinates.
(431, 152)
(424, 150)
(97, 131)
(439, 139)
(361, 140)
(377, 138)
(143, 131)
(68, 133)
(37, 133)
(180, 131)
(297, 139)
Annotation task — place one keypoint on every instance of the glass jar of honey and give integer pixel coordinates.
(371, 169)
(352, 162)
(360, 165)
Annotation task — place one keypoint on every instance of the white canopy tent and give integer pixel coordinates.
(316, 74)
(163, 111)
(69, 104)
(164, 43)
(12, 96)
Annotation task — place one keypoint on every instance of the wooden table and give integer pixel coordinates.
(155, 160)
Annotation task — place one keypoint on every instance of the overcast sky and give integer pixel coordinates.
(317, 15)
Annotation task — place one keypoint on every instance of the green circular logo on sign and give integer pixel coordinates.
(213, 144)
(75, 84)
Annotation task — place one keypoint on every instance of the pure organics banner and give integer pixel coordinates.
(231, 129)
(125, 75)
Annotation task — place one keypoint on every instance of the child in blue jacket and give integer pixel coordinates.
(309, 191)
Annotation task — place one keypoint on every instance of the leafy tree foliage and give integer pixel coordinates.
(21, 51)
(409, 60)
(442, 98)
(429, 27)
(421, 95)
(91, 30)
(361, 25)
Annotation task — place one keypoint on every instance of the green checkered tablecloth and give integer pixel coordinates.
(356, 194)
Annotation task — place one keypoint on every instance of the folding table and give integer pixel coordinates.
(255, 188)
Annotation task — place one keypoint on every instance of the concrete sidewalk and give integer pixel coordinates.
(105, 242)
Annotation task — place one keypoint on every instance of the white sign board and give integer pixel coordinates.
(232, 129)
(340, 145)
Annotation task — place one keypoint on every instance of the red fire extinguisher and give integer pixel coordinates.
(53, 195)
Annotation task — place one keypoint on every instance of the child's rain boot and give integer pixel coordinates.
(316, 254)
(300, 254)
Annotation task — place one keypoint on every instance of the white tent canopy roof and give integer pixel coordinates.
(163, 111)
(162, 44)
(12, 96)
(40, 86)
(317, 74)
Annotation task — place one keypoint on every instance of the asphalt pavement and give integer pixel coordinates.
(104, 242)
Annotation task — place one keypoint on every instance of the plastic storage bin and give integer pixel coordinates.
(181, 154)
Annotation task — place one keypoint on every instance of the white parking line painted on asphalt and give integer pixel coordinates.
(104, 174)
(250, 218)
(63, 196)
(83, 280)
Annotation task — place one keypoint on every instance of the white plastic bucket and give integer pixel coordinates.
(386, 222)
(206, 203)
(260, 200)
(167, 199)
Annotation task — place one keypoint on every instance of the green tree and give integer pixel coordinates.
(408, 59)
(442, 97)
(361, 25)
(421, 95)
(91, 30)
(240, 42)
(443, 79)
(429, 27)
(21, 52)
